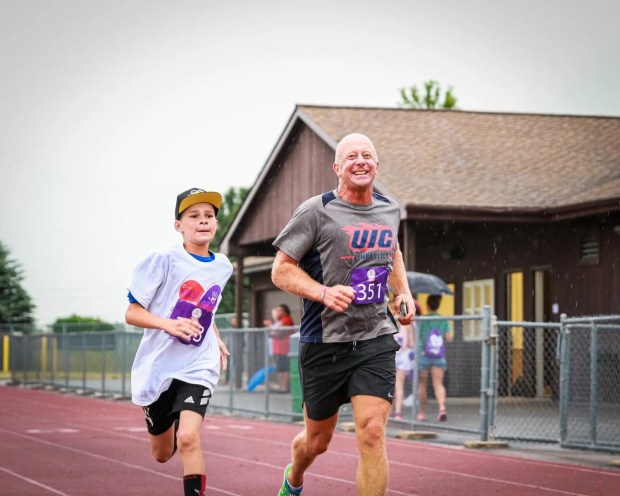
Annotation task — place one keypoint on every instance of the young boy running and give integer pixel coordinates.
(173, 295)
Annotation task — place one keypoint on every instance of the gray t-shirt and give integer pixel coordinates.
(337, 242)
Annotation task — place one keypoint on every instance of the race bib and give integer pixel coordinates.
(370, 284)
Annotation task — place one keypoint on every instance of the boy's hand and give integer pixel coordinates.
(183, 328)
(224, 353)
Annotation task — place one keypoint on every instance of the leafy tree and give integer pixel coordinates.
(232, 200)
(75, 323)
(432, 98)
(16, 306)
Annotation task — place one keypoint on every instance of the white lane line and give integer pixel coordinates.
(33, 482)
(107, 459)
(61, 430)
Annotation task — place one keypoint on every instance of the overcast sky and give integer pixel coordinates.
(109, 108)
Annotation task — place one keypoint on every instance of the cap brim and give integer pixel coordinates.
(211, 197)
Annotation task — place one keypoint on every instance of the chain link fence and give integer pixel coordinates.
(525, 381)
(527, 391)
(590, 382)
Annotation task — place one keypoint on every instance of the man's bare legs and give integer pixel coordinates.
(309, 444)
(371, 416)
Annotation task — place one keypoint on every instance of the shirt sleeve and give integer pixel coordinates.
(147, 277)
(300, 234)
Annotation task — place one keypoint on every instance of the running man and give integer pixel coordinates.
(339, 252)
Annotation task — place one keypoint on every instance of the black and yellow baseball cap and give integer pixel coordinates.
(196, 195)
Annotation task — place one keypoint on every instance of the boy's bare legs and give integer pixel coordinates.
(371, 415)
(188, 442)
(162, 445)
(437, 374)
(309, 444)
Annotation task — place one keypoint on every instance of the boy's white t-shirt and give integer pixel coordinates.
(171, 283)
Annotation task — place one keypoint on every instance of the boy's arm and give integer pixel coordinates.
(137, 315)
(224, 353)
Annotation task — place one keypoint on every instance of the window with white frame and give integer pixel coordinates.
(476, 294)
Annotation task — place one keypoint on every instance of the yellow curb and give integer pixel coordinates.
(415, 435)
(485, 444)
(347, 426)
(616, 463)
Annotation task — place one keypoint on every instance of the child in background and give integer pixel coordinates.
(281, 344)
(173, 295)
(404, 366)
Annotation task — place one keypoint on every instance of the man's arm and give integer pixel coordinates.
(398, 282)
(289, 277)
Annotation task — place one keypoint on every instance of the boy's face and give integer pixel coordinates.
(197, 224)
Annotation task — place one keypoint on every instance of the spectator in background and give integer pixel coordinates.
(404, 363)
(281, 344)
(431, 356)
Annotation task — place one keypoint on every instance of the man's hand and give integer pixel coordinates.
(408, 300)
(338, 298)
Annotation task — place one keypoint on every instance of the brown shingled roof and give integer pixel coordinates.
(439, 158)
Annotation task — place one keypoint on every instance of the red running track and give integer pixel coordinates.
(68, 445)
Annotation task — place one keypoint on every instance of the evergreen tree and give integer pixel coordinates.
(16, 306)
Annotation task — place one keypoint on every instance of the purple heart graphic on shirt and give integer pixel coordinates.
(197, 304)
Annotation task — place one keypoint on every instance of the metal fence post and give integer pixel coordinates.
(484, 374)
(124, 336)
(564, 376)
(266, 365)
(593, 383)
(232, 363)
(103, 364)
(84, 361)
(53, 352)
(493, 381)
(416, 374)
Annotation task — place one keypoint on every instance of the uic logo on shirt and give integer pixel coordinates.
(363, 237)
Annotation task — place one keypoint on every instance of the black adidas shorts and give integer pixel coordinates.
(331, 373)
(160, 416)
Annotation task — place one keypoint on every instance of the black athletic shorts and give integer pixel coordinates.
(179, 396)
(331, 373)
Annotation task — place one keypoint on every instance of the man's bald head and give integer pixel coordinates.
(353, 138)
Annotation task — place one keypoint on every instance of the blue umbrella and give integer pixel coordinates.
(420, 282)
